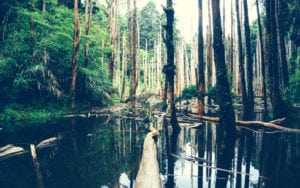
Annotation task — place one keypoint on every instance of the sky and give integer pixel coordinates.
(186, 13)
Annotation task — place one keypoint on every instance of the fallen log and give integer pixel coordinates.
(270, 124)
(148, 174)
(47, 143)
(10, 150)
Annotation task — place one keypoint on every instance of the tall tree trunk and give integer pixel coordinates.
(262, 55)
(241, 58)
(227, 117)
(250, 95)
(113, 36)
(75, 55)
(133, 57)
(209, 54)
(170, 68)
(88, 22)
(281, 46)
(44, 6)
(200, 79)
(124, 65)
(231, 43)
(272, 60)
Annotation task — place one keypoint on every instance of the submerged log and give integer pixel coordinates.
(271, 124)
(148, 174)
(10, 150)
(48, 142)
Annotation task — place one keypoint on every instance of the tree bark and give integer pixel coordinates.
(278, 105)
(200, 79)
(209, 53)
(227, 116)
(281, 46)
(170, 68)
(241, 58)
(250, 95)
(75, 55)
(113, 37)
(263, 72)
(124, 65)
(133, 57)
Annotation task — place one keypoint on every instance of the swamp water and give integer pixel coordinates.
(104, 152)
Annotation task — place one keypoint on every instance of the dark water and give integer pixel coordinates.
(106, 153)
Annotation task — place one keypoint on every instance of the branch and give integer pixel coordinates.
(270, 124)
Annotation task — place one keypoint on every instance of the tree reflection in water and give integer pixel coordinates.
(100, 153)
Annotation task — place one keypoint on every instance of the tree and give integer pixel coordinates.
(227, 116)
(271, 57)
(133, 57)
(209, 53)
(75, 55)
(250, 95)
(200, 79)
(124, 65)
(284, 75)
(170, 69)
(263, 72)
(113, 27)
(241, 58)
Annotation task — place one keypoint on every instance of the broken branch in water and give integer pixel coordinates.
(270, 124)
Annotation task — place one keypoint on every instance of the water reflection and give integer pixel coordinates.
(106, 153)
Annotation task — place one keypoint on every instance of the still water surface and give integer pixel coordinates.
(106, 152)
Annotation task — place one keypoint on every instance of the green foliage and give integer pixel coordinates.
(149, 21)
(295, 87)
(212, 92)
(188, 92)
(36, 53)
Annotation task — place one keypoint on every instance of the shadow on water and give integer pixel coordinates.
(106, 153)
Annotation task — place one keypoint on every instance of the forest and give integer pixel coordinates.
(228, 89)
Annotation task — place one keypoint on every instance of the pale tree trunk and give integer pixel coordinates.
(250, 95)
(262, 60)
(124, 65)
(170, 68)
(146, 68)
(201, 78)
(231, 62)
(241, 59)
(75, 55)
(223, 21)
(138, 66)
(113, 36)
(44, 6)
(133, 58)
(226, 112)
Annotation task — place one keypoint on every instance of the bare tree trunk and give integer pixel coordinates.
(75, 55)
(281, 46)
(44, 6)
(241, 58)
(113, 36)
(124, 65)
(209, 52)
(133, 57)
(200, 79)
(279, 108)
(227, 116)
(250, 95)
(262, 55)
(170, 68)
